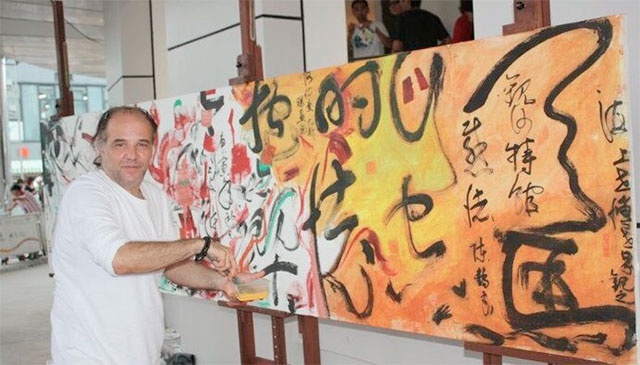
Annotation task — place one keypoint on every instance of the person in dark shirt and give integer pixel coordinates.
(418, 28)
(391, 16)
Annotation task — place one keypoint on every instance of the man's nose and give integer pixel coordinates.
(131, 152)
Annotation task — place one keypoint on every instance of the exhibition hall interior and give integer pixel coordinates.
(318, 181)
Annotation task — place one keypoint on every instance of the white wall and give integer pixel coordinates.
(203, 41)
(325, 33)
(203, 55)
(210, 332)
(446, 10)
(128, 32)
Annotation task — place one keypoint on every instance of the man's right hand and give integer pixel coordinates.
(222, 259)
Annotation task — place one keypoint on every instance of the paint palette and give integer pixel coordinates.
(252, 290)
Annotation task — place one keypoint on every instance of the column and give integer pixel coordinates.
(135, 50)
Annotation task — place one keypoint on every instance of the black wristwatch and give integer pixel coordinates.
(205, 249)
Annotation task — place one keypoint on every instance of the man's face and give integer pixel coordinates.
(360, 11)
(128, 149)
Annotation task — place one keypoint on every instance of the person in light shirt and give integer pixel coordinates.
(368, 38)
(114, 239)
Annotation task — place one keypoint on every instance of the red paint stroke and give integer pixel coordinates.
(206, 121)
(153, 111)
(182, 120)
(305, 142)
(422, 82)
(208, 143)
(291, 173)
(87, 137)
(407, 90)
(295, 293)
(187, 225)
(240, 163)
(374, 240)
(243, 260)
(339, 146)
(311, 285)
(159, 170)
(206, 118)
(242, 216)
(267, 154)
(243, 94)
(204, 187)
(230, 121)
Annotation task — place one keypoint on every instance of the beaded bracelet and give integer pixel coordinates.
(205, 249)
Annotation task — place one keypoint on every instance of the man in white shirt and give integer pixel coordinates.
(113, 240)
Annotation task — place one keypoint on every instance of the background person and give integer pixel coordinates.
(367, 38)
(391, 19)
(27, 203)
(113, 240)
(463, 28)
(28, 186)
(418, 28)
(24, 199)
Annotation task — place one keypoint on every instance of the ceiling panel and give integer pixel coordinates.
(26, 34)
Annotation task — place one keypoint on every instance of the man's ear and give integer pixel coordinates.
(97, 147)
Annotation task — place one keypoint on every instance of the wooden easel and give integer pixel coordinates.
(65, 102)
(528, 15)
(249, 65)
(307, 327)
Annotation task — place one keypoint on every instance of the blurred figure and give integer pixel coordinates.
(395, 8)
(24, 199)
(28, 186)
(20, 182)
(367, 38)
(418, 28)
(463, 29)
(391, 16)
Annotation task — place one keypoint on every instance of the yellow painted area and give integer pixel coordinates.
(249, 296)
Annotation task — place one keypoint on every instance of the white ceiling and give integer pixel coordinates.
(26, 34)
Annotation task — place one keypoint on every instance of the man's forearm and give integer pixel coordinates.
(195, 275)
(142, 257)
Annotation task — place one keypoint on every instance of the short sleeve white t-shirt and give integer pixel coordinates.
(99, 317)
(365, 42)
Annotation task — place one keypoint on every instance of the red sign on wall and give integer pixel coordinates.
(24, 152)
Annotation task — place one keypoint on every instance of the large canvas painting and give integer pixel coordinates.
(479, 191)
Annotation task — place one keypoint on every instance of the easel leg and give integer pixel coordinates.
(308, 327)
(279, 344)
(245, 334)
(491, 359)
